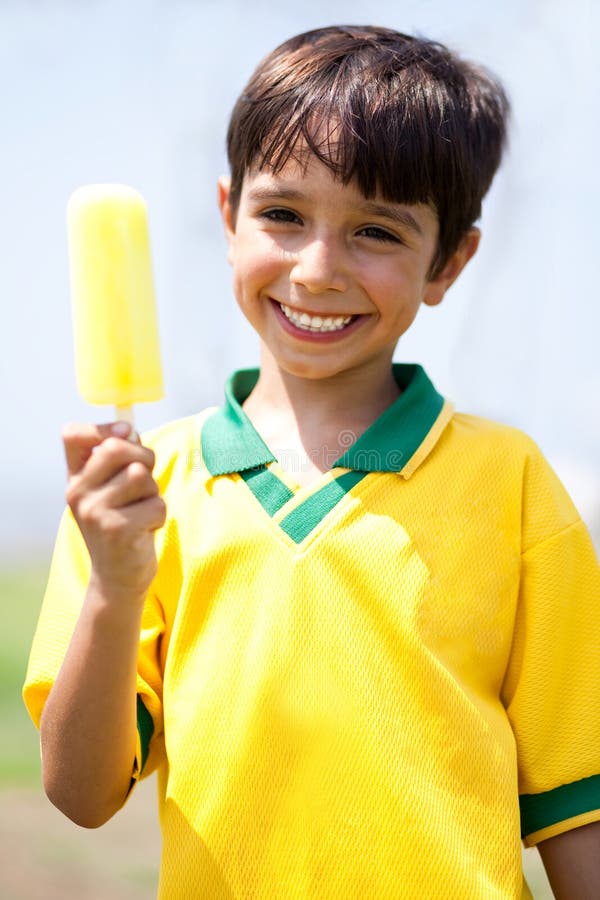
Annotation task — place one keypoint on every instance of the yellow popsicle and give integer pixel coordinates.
(117, 354)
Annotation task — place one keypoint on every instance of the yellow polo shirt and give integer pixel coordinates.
(371, 687)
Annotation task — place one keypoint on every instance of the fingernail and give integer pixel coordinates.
(121, 429)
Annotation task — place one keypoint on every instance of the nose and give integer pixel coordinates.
(319, 266)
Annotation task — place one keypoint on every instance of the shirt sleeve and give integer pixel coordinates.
(552, 683)
(150, 749)
(63, 599)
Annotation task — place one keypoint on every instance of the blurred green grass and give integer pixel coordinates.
(21, 590)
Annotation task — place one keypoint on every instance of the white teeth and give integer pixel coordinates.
(315, 323)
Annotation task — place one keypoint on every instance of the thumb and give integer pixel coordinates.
(79, 441)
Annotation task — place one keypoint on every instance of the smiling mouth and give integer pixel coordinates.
(315, 324)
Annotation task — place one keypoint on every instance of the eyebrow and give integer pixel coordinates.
(398, 216)
(271, 194)
(370, 207)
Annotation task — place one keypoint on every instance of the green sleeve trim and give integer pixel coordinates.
(268, 489)
(542, 810)
(301, 521)
(145, 727)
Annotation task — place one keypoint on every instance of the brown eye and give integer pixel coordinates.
(280, 214)
(378, 234)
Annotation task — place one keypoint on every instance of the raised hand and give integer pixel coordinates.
(116, 503)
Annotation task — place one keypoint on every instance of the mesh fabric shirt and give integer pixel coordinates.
(372, 687)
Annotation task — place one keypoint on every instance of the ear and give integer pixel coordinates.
(437, 287)
(227, 214)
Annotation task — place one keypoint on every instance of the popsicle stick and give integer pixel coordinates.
(125, 414)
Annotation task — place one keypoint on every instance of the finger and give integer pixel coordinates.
(152, 513)
(114, 456)
(79, 441)
(132, 484)
(109, 458)
(139, 517)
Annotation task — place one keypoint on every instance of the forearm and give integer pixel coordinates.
(88, 728)
(572, 862)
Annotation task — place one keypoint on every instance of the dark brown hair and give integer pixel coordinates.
(401, 115)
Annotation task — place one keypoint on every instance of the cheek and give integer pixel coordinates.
(257, 266)
(398, 294)
(410, 279)
(390, 288)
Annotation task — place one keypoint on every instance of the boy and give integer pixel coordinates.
(371, 631)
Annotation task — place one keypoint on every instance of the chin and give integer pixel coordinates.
(308, 369)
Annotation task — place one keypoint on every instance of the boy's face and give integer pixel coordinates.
(329, 279)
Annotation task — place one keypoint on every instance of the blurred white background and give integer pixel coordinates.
(140, 92)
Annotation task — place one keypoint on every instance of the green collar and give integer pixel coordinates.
(230, 442)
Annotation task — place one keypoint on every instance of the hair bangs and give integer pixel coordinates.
(347, 126)
(401, 116)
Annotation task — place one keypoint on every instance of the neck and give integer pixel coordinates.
(353, 398)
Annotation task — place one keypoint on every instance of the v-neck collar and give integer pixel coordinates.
(398, 441)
